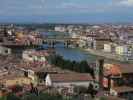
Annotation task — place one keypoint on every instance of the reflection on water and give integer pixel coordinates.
(68, 53)
(72, 54)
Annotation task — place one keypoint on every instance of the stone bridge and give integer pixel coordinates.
(54, 40)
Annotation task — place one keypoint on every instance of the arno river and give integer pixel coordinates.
(71, 53)
(75, 54)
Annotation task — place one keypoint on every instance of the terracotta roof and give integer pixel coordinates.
(123, 89)
(126, 68)
(112, 98)
(41, 87)
(54, 69)
(70, 77)
(116, 69)
(41, 53)
(38, 53)
(112, 69)
(35, 66)
(11, 77)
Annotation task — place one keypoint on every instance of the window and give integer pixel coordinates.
(6, 51)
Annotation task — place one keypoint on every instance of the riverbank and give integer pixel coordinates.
(107, 55)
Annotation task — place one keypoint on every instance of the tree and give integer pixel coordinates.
(91, 90)
(81, 67)
(30, 97)
(3, 98)
(16, 88)
(41, 96)
(80, 90)
(103, 98)
(12, 96)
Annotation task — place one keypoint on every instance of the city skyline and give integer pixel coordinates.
(66, 11)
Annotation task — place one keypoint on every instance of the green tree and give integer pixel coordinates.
(17, 88)
(12, 96)
(81, 67)
(3, 98)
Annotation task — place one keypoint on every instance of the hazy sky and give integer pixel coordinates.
(66, 11)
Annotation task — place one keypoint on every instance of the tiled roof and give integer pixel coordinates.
(38, 53)
(112, 69)
(116, 69)
(70, 77)
(35, 66)
(126, 68)
(123, 89)
(112, 98)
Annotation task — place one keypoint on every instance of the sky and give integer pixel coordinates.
(66, 11)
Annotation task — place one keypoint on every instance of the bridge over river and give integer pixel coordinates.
(54, 38)
(66, 40)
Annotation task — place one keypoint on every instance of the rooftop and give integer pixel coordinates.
(123, 89)
(35, 66)
(116, 69)
(112, 98)
(37, 53)
(72, 77)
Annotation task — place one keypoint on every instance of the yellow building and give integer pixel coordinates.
(121, 50)
(19, 81)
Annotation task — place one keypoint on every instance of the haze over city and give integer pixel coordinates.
(66, 11)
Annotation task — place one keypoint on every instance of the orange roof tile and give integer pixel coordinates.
(70, 77)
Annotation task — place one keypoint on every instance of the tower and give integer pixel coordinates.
(99, 72)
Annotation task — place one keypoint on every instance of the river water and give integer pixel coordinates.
(73, 54)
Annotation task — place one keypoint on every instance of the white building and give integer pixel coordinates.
(107, 47)
(60, 29)
(126, 51)
(122, 91)
(9, 32)
(121, 50)
(84, 41)
(74, 35)
(5, 50)
(3, 72)
(69, 80)
(70, 28)
(31, 55)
